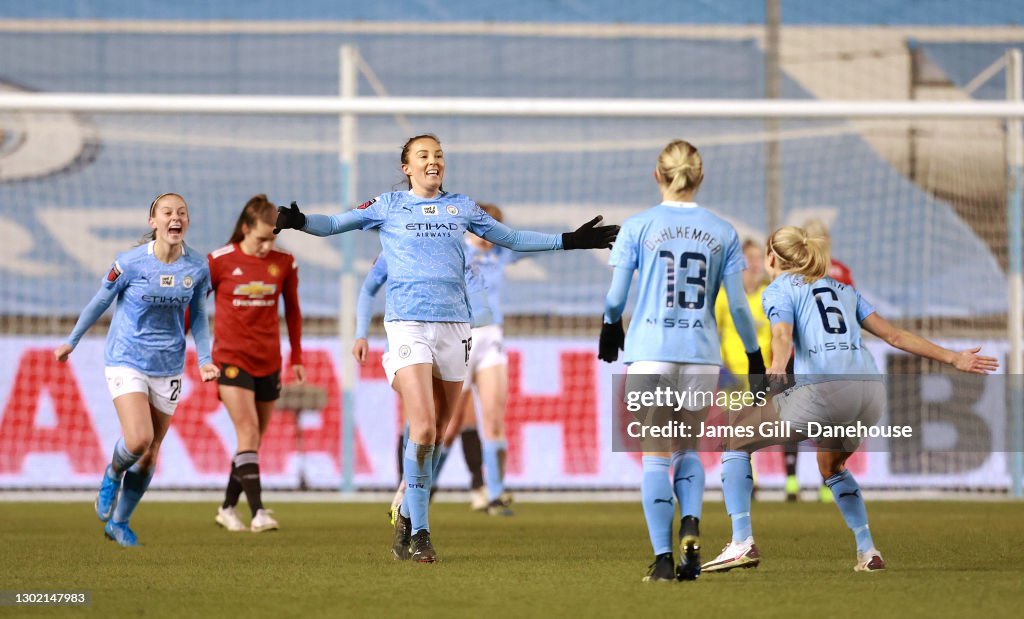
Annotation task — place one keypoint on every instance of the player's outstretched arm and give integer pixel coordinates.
(590, 236)
(99, 304)
(289, 218)
(317, 225)
(587, 236)
(965, 360)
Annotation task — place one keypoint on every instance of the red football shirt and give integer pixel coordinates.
(840, 272)
(246, 323)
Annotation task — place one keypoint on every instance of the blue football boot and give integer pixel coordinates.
(106, 500)
(120, 533)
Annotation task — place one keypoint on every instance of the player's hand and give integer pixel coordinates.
(971, 361)
(360, 350)
(300, 374)
(209, 372)
(590, 236)
(613, 338)
(62, 352)
(289, 217)
(777, 375)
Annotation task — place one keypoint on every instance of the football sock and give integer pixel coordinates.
(234, 488)
(737, 484)
(136, 481)
(688, 482)
(419, 462)
(656, 497)
(789, 457)
(494, 463)
(400, 456)
(247, 469)
(473, 454)
(440, 457)
(846, 491)
(122, 459)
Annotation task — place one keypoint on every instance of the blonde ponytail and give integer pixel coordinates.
(801, 253)
(680, 167)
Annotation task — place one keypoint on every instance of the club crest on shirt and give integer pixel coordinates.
(273, 269)
(430, 209)
(166, 281)
(404, 351)
(452, 209)
(186, 281)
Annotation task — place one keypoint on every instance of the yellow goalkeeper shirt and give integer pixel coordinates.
(734, 355)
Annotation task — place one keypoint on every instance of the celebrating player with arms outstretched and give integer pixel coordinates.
(837, 383)
(427, 312)
(145, 354)
(683, 253)
(248, 275)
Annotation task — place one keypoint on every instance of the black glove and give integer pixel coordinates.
(613, 338)
(756, 371)
(289, 218)
(588, 236)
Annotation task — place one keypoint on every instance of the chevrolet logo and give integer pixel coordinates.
(255, 290)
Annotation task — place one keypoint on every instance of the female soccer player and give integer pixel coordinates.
(145, 355)
(824, 318)
(481, 315)
(488, 365)
(683, 253)
(427, 312)
(248, 276)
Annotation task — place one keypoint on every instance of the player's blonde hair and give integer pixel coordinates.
(801, 253)
(680, 167)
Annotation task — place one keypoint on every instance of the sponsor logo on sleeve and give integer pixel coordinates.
(115, 272)
(366, 204)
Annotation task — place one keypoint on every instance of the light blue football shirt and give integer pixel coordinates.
(147, 332)
(681, 252)
(826, 317)
(476, 289)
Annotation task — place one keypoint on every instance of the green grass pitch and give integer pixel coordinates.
(587, 560)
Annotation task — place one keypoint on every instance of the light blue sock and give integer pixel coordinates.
(440, 456)
(122, 459)
(737, 484)
(846, 492)
(403, 508)
(656, 496)
(688, 482)
(136, 481)
(419, 463)
(494, 455)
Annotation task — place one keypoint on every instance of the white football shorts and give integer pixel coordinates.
(445, 345)
(163, 391)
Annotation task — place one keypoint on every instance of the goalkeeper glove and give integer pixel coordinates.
(613, 338)
(590, 236)
(289, 218)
